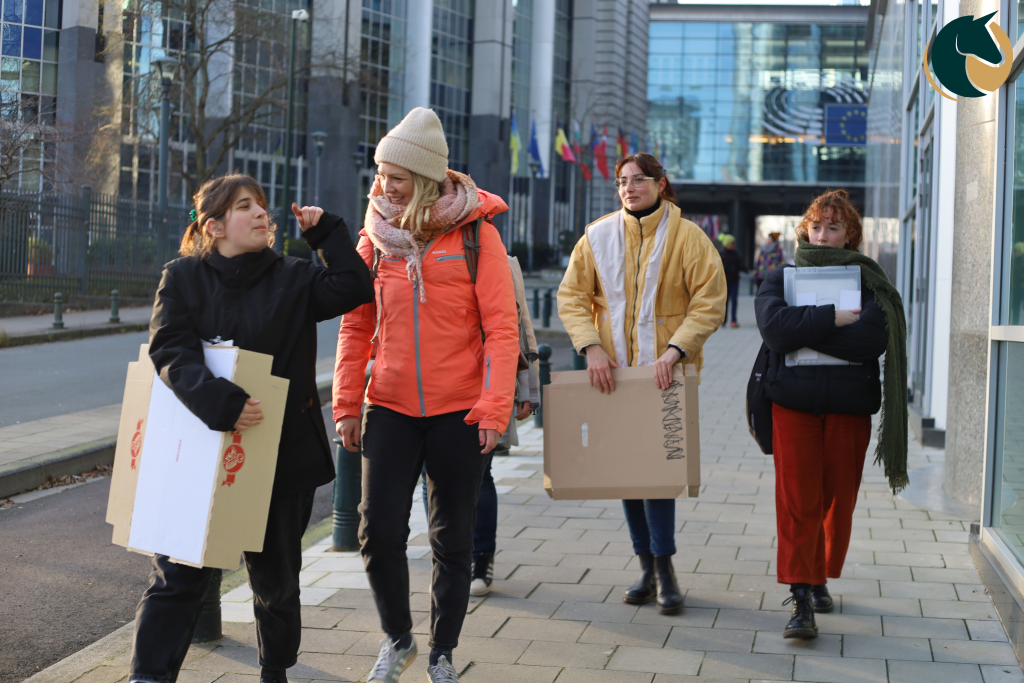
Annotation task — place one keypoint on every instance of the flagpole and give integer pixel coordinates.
(572, 198)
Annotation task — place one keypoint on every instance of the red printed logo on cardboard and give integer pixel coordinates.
(137, 443)
(234, 458)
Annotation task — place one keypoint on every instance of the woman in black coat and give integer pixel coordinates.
(821, 418)
(231, 286)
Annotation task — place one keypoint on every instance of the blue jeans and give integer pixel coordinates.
(732, 294)
(486, 531)
(652, 525)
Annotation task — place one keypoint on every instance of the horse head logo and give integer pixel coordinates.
(971, 57)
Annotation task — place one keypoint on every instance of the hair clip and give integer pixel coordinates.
(192, 216)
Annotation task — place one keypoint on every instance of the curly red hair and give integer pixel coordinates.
(843, 211)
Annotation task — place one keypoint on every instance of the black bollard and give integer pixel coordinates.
(536, 303)
(544, 353)
(348, 481)
(58, 311)
(546, 317)
(115, 313)
(579, 362)
(209, 626)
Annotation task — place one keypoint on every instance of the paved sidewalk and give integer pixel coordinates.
(910, 607)
(29, 324)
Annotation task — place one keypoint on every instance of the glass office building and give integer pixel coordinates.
(758, 102)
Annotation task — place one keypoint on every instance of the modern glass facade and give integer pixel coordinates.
(451, 76)
(29, 42)
(754, 102)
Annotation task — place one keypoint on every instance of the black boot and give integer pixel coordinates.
(821, 599)
(643, 591)
(670, 600)
(801, 624)
(273, 675)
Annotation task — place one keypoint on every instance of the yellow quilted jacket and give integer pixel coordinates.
(689, 304)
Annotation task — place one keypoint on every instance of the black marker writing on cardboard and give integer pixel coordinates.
(672, 423)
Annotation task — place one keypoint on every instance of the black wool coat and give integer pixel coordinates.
(821, 389)
(264, 303)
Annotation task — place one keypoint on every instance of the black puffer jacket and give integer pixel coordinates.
(268, 304)
(821, 389)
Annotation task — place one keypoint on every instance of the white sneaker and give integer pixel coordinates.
(483, 575)
(391, 662)
(442, 672)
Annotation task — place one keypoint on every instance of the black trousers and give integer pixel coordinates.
(395, 449)
(166, 617)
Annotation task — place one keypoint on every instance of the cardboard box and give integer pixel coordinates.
(183, 490)
(637, 442)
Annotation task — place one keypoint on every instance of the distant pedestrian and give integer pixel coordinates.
(446, 342)
(733, 265)
(228, 285)
(822, 414)
(644, 286)
(769, 258)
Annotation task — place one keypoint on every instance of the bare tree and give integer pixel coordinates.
(30, 137)
(232, 79)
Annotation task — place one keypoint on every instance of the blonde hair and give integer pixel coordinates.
(843, 212)
(212, 201)
(417, 211)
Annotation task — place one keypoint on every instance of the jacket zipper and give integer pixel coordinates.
(487, 382)
(416, 336)
(636, 289)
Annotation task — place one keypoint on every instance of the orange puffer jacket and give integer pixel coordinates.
(430, 357)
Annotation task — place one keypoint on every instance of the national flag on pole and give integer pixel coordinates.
(534, 150)
(515, 145)
(633, 147)
(647, 144)
(562, 147)
(601, 153)
(576, 142)
(586, 170)
(620, 144)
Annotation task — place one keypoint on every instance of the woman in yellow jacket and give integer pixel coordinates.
(644, 287)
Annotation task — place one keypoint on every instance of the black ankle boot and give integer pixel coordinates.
(273, 675)
(643, 591)
(801, 624)
(821, 599)
(670, 600)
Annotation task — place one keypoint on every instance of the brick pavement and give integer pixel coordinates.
(910, 606)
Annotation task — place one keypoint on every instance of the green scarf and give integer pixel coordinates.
(892, 429)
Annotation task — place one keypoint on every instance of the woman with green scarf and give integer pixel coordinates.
(821, 417)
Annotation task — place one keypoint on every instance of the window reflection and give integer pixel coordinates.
(1009, 496)
(1013, 314)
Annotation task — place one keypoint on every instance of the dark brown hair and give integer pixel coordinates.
(212, 201)
(651, 167)
(843, 212)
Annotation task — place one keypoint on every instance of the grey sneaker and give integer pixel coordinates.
(442, 672)
(391, 662)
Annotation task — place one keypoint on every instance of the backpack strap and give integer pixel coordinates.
(471, 243)
(376, 261)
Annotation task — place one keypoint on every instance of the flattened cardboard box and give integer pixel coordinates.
(179, 488)
(637, 442)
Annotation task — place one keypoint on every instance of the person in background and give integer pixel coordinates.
(441, 385)
(228, 285)
(769, 258)
(821, 414)
(732, 265)
(644, 286)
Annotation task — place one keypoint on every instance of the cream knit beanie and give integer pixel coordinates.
(416, 144)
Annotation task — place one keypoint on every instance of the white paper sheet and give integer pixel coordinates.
(806, 299)
(849, 299)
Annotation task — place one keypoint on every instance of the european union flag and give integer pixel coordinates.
(846, 125)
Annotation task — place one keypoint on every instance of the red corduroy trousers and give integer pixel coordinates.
(818, 466)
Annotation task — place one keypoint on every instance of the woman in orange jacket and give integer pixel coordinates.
(441, 385)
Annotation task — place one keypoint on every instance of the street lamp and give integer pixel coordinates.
(297, 16)
(319, 139)
(534, 168)
(165, 68)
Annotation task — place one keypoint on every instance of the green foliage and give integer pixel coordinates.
(39, 251)
(296, 246)
(131, 252)
(567, 241)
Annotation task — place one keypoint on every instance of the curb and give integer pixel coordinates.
(23, 475)
(87, 659)
(68, 334)
(29, 473)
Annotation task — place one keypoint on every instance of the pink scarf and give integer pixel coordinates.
(457, 202)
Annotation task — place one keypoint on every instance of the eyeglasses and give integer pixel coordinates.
(634, 182)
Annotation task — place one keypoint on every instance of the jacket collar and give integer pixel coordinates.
(244, 267)
(649, 222)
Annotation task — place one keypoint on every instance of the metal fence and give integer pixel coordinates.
(86, 244)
